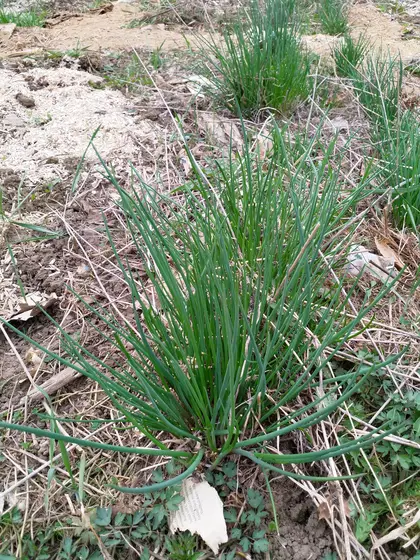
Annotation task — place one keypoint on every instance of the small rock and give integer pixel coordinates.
(13, 120)
(25, 100)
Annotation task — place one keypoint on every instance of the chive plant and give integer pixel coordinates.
(349, 54)
(378, 87)
(399, 149)
(260, 63)
(236, 347)
(395, 134)
(333, 16)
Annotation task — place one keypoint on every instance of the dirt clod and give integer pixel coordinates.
(301, 534)
(25, 100)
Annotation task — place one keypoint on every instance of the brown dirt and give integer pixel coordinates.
(98, 32)
(382, 29)
(302, 536)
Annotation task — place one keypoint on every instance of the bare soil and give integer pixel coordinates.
(98, 31)
(302, 535)
(385, 31)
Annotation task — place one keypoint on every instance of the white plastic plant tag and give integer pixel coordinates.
(201, 512)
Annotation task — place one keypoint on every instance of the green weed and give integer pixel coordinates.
(156, 59)
(333, 16)
(392, 485)
(260, 64)
(128, 75)
(75, 52)
(413, 67)
(144, 529)
(183, 547)
(117, 532)
(349, 54)
(13, 217)
(248, 531)
(392, 7)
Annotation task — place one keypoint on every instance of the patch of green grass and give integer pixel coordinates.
(156, 59)
(349, 54)
(73, 538)
(246, 317)
(392, 7)
(260, 64)
(75, 52)
(391, 485)
(145, 529)
(29, 18)
(128, 75)
(413, 67)
(333, 16)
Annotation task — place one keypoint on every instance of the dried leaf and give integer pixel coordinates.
(6, 30)
(52, 385)
(387, 252)
(397, 533)
(324, 511)
(360, 259)
(32, 304)
(185, 162)
(338, 124)
(32, 357)
(221, 132)
(263, 147)
(197, 84)
(83, 270)
(347, 509)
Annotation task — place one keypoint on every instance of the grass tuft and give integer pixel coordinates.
(396, 135)
(29, 18)
(260, 63)
(239, 318)
(378, 87)
(333, 16)
(399, 148)
(350, 54)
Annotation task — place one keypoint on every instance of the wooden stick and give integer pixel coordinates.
(52, 385)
